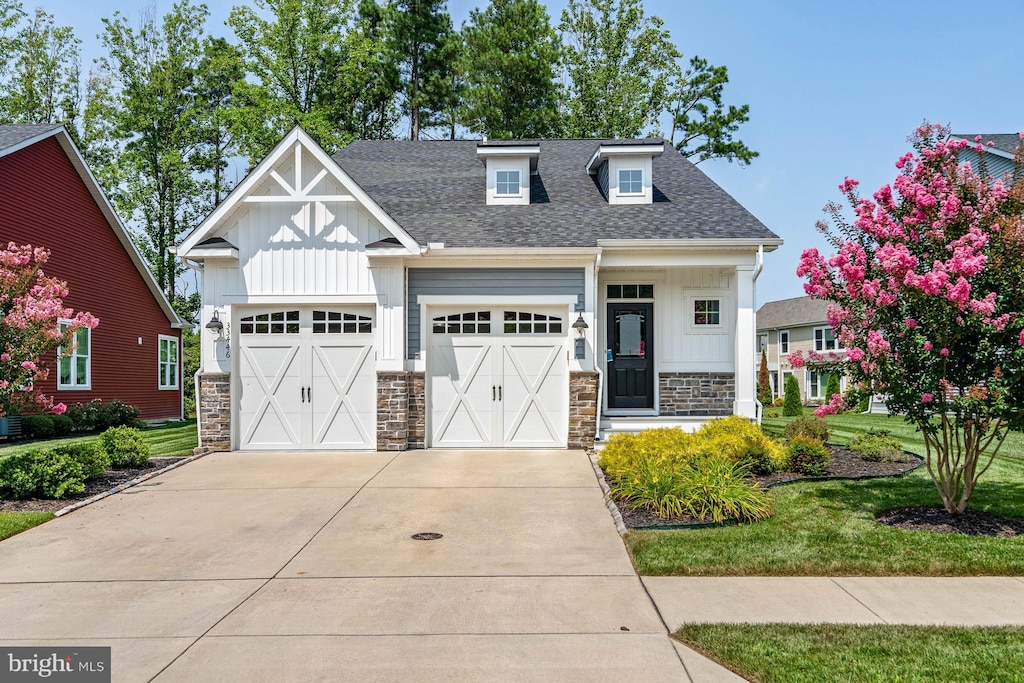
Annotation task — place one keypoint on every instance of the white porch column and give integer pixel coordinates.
(745, 343)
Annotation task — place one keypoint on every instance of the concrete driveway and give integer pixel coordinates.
(301, 567)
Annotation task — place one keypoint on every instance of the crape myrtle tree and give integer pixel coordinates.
(34, 323)
(926, 298)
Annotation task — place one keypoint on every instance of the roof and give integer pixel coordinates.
(803, 310)
(14, 137)
(1004, 142)
(436, 191)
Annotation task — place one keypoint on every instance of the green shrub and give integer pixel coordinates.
(624, 451)
(125, 447)
(832, 387)
(45, 473)
(37, 426)
(92, 458)
(742, 441)
(17, 480)
(877, 447)
(117, 414)
(808, 456)
(83, 415)
(62, 425)
(813, 427)
(792, 406)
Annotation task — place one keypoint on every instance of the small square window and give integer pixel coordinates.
(614, 291)
(507, 184)
(707, 312)
(631, 181)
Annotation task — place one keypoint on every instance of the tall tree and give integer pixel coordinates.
(11, 13)
(620, 65)
(511, 64)
(153, 68)
(420, 29)
(220, 73)
(373, 64)
(706, 126)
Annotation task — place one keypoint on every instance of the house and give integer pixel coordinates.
(411, 294)
(791, 325)
(998, 157)
(49, 198)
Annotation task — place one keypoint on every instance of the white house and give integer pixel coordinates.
(469, 294)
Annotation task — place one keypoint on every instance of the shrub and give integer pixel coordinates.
(92, 458)
(832, 387)
(877, 447)
(116, 414)
(624, 451)
(83, 415)
(808, 456)
(62, 425)
(813, 427)
(791, 404)
(45, 473)
(742, 440)
(16, 477)
(125, 447)
(778, 402)
(37, 426)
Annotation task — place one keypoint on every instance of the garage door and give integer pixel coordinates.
(307, 380)
(498, 378)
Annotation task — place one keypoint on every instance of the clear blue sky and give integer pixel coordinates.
(834, 89)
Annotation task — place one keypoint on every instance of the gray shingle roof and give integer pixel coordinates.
(1004, 142)
(803, 310)
(12, 134)
(436, 191)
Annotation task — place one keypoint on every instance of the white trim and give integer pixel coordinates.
(720, 244)
(496, 299)
(485, 150)
(814, 339)
(301, 299)
(160, 338)
(989, 150)
(605, 151)
(73, 358)
(289, 198)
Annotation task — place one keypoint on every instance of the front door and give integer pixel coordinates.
(630, 372)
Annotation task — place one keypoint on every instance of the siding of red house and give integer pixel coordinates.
(44, 202)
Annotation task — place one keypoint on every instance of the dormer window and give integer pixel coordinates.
(507, 184)
(624, 169)
(631, 181)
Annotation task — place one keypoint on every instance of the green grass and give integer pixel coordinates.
(828, 528)
(169, 439)
(801, 653)
(15, 522)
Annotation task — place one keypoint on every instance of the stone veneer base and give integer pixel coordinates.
(214, 411)
(696, 394)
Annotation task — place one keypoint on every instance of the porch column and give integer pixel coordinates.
(746, 330)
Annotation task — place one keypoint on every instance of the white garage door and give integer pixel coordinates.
(498, 378)
(307, 379)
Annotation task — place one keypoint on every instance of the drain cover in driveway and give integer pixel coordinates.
(427, 536)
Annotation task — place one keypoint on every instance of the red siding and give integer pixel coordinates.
(44, 202)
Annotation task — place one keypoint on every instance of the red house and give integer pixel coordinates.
(49, 198)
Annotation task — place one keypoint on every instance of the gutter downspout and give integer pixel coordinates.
(198, 267)
(597, 363)
(758, 408)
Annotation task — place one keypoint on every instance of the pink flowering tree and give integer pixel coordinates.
(927, 301)
(31, 313)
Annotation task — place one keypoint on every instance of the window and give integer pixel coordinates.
(763, 339)
(631, 181)
(773, 377)
(281, 322)
(167, 365)
(784, 342)
(520, 322)
(630, 291)
(75, 369)
(474, 322)
(508, 184)
(336, 322)
(825, 339)
(818, 384)
(707, 312)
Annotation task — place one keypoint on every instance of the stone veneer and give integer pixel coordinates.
(696, 394)
(392, 411)
(417, 410)
(582, 409)
(214, 411)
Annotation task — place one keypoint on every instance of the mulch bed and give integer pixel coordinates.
(935, 518)
(108, 481)
(845, 465)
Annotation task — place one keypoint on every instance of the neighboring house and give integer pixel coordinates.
(48, 198)
(472, 294)
(790, 325)
(998, 160)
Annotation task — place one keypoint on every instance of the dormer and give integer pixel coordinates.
(509, 167)
(624, 169)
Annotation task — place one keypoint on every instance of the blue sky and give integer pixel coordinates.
(834, 89)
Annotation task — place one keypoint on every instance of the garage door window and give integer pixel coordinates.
(521, 322)
(474, 322)
(336, 322)
(281, 322)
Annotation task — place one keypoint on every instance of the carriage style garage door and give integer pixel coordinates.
(306, 379)
(498, 378)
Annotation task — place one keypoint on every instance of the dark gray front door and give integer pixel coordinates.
(631, 366)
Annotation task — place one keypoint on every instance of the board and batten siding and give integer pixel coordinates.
(485, 282)
(44, 202)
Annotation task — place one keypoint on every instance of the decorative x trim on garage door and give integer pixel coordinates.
(532, 389)
(269, 399)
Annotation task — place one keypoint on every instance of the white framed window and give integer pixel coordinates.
(763, 343)
(630, 291)
(472, 322)
(338, 322)
(773, 378)
(523, 322)
(784, 341)
(167, 363)
(707, 312)
(631, 181)
(825, 339)
(75, 370)
(817, 384)
(507, 184)
(279, 322)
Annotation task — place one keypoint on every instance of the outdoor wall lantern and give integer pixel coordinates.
(215, 326)
(581, 329)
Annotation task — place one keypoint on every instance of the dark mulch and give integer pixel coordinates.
(935, 518)
(108, 481)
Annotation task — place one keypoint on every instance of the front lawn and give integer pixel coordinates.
(166, 440)
(800, 653)
(15, 522)
(828, 528)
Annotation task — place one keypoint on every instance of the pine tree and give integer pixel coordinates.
(419, 32)
(833, 386)
(764, 387)
(792, 406)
